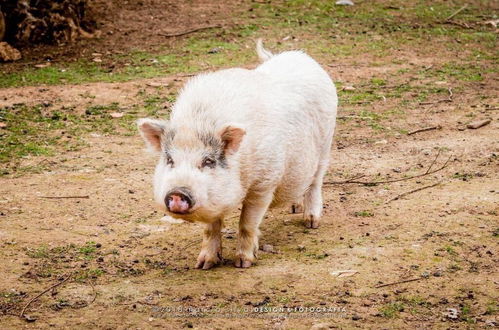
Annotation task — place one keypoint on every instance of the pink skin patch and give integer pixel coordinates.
(177, 205)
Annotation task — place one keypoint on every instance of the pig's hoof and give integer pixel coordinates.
(242, 263)
(205, 262)
(296, 208)
(312, 222)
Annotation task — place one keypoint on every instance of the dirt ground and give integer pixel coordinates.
(85, 221)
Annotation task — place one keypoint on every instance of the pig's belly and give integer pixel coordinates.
(295, 182)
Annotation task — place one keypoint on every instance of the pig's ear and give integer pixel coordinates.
(152, 130)
(231, 136)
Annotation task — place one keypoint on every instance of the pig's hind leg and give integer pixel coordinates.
(211, 248)
(254, 208)
(312, 201)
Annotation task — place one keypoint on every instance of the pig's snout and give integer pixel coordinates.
(179, 200)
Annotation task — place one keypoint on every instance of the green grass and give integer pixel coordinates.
(38, 131)
(391, 310)
(324, 29)
(364, 214)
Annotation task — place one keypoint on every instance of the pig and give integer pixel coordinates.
(245, 138)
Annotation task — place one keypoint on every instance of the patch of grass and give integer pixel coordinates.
(40, 252)
(88, 250)
(38, 131)
(86, 274)
(391, 310)
(492, 308)
(323, 28)
(463, 176)
(364, 214)
(450, 250)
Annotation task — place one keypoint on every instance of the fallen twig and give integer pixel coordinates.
(456, 12)
(398, 282)
(478, 124)
(463, 25)
(21, 315)
(412, 191)
(60, 197)
(183, 33)
(424, 129)
(353, 180)
(433, 162)
(448, 99)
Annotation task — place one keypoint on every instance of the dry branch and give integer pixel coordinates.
(456, 12)
(448, 99)
(21, 315)
(353, 180)
(61, 197)
(412, 191)
(399, 282)
(424, 129)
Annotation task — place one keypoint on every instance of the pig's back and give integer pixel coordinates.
(287, 106)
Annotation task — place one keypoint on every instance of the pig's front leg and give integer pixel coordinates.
(254, 209)
(211, 248)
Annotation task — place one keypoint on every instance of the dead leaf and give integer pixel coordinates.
(343, 273)
(117, 114)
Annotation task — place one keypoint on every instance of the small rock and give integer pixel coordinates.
(452, 313)
(478, 124)
(268, 248)
(320, 326)
(356, 317)
(117, 114)
(215, 50)
(301, 248)
(348, 88)
(8, 53)
(154, 84)
(97, 60)
(344, 3)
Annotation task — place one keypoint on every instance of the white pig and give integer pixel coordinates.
(258, 137)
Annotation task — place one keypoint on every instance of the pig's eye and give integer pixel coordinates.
(169, 160)
(208, 162)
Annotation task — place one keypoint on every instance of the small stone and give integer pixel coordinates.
(344, 3)
(320, 326)
(348, 88)
(215, 50)
(301, 248)
(356, 317)
(438, 273)
(267, 248)
(8, 53)
(452, 313)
